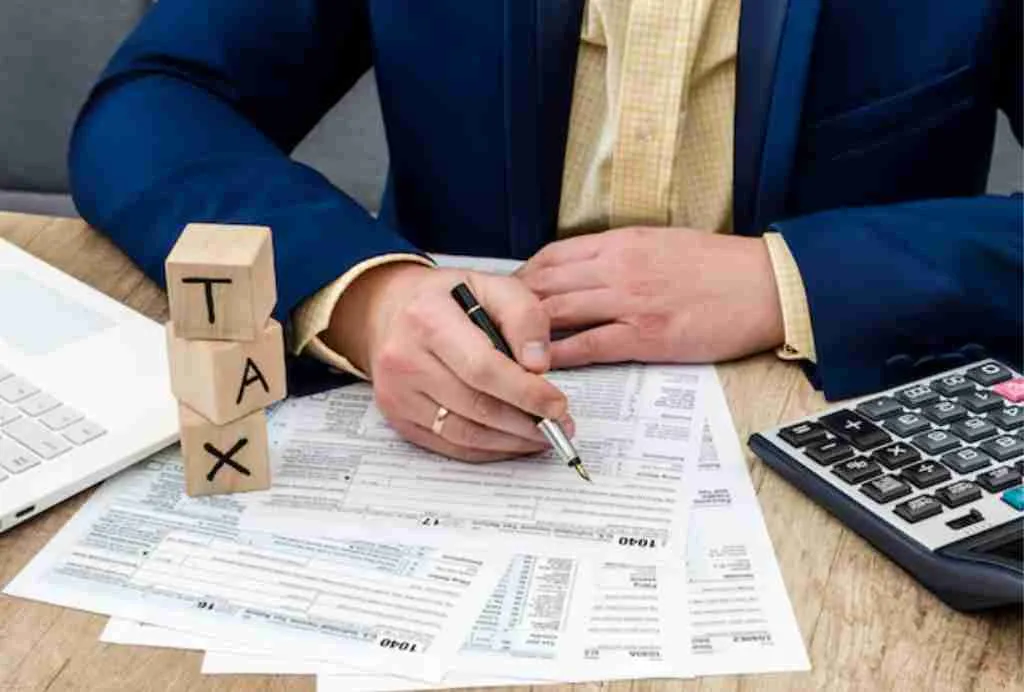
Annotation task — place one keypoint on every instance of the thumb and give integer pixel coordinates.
(519, 316)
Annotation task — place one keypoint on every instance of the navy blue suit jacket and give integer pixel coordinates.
(863, 134)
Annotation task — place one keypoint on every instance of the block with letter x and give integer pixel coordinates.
(228, 458)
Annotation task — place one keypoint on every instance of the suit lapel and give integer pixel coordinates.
(775, 41)
(541, 44)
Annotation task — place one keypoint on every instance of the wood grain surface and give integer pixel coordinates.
(867, 625)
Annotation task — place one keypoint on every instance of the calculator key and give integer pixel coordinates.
(829, 452)
(966, 460)
(857, 470)
(906, 425)
(36, 438)
(885, 489)
(15, 459)
(944, 412)
(897, 455)
(38, 403)
(802, 434)
(972, 517)
(855, 429)
(1008, 417)
(1004, 447)
(917, 396)
(952, 385)
(959, 493)
(973, 429)
(989, 374)
(60, 418)
(7, 414)
(83, 431)
(999, 478)
(1015, 498)
(14, 389)
(926, 474)
(936, 442)
(1011, 390)
(981, 400)
(917, 508)
(880, 407)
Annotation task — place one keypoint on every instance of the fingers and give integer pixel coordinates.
(467, 433)
(566, 278)
(467, 352)
(425, 438)
(609, 343)
(519, 316)
(576, 249)
(584, 308)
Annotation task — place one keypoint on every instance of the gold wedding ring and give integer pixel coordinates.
(439, 418)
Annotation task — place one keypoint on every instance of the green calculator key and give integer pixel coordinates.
(1015, 498)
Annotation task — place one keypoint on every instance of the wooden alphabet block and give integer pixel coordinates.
(230, 458)
(220, 282)
(227, 380)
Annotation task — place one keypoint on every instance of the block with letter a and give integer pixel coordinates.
(226, 354)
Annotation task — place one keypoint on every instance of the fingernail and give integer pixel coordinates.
(568, 425)
(535, 354)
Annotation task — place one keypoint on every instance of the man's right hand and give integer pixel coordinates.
(399, 323)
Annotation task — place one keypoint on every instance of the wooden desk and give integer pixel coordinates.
(867, 625)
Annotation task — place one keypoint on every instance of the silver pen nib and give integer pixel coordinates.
(580, 469)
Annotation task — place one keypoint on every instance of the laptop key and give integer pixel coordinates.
(37, 438)
(14, 389)
(15, 459)
(60, 418)
(7, 414)
(1004, 447)
(38, 404)
(973, 429)
(83, 431)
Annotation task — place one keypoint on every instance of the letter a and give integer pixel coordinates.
(248, 379)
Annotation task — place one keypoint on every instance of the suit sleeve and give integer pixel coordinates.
(897, 292)
(194, 119)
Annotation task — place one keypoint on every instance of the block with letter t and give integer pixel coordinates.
(220, 282)
(226, 354)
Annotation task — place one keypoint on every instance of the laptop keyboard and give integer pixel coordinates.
(36, 427)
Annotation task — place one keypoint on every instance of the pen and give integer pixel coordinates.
(551, 429)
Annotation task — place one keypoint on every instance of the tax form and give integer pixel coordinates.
(337, 464)
(141, 548)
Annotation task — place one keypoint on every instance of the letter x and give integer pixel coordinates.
(223, 459)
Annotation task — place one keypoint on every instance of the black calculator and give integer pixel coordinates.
(929, 473)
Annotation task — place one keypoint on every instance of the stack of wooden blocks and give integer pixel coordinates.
(226, 354)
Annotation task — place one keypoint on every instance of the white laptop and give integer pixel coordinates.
(84, 387)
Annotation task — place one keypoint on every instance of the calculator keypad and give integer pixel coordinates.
(934, 458)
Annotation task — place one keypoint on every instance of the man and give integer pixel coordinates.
(634, 151)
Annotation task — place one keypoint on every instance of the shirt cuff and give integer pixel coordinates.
(312, 317)
(796, 316)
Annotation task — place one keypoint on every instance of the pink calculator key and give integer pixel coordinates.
(1011, 390)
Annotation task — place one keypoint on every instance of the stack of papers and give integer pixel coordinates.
(378, 566)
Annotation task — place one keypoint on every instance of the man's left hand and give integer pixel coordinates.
(657, 295)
